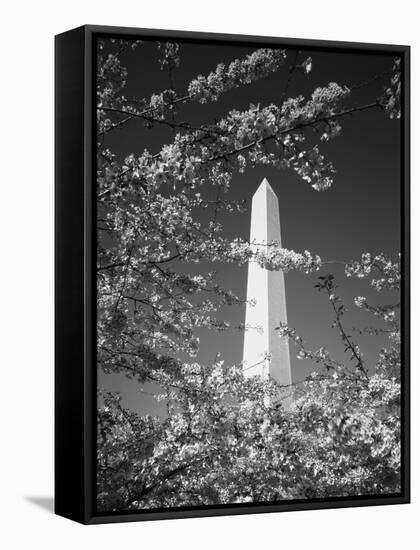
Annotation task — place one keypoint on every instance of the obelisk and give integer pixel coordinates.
(265, 352)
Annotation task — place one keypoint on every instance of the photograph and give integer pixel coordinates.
(249, 247)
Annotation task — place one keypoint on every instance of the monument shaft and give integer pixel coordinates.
(265, 352)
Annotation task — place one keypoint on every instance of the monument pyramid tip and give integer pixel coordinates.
(265, 184)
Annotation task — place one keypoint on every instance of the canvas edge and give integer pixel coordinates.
(69, 385)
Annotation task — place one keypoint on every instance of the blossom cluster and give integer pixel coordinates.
(169, 55)
(388, 269)
(391, 98)
(242, 137)
(257, 65)
(274, 257)
(324, 102)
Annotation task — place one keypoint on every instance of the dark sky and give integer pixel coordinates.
(360, 213)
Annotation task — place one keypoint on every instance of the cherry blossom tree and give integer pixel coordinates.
(225, 438)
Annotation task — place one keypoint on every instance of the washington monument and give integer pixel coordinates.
(265, 352)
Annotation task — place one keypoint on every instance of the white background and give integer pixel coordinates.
(26, 218)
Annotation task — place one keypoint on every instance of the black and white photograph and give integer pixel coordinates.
(210, 257)
(249, 250)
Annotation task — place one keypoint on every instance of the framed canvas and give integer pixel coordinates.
(232, 274)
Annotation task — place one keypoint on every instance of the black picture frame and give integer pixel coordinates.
(75, 298)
